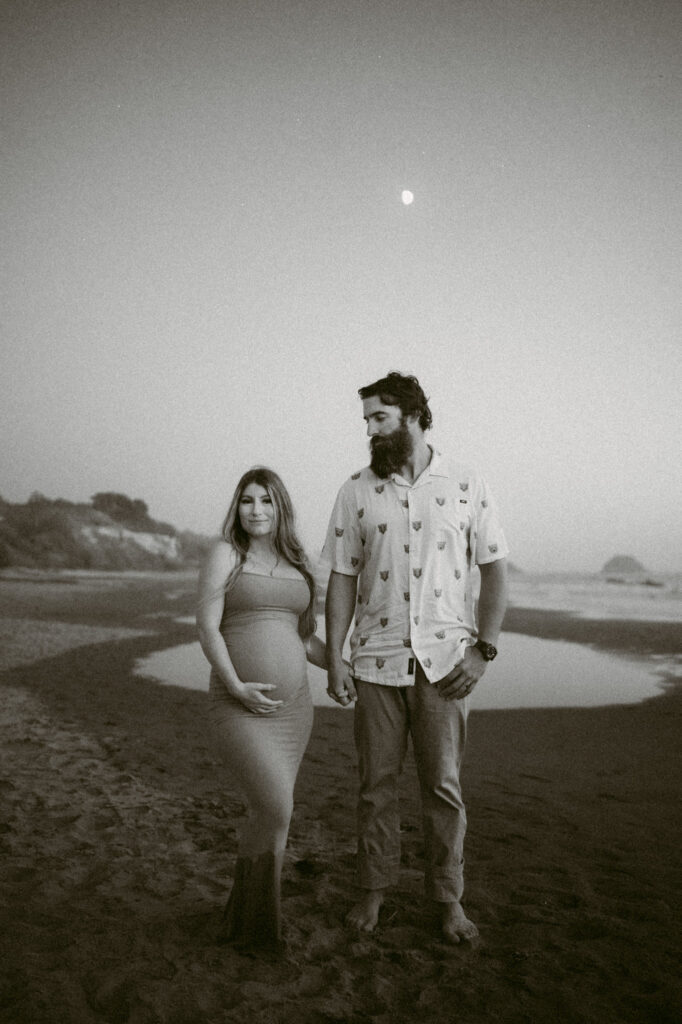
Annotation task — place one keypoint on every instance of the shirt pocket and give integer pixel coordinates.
(452, 539)
(453, 517)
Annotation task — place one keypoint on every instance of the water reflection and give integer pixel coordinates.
(529, 673)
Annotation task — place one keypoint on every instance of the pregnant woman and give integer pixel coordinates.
(257, 628)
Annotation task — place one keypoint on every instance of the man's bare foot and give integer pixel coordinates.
(455, 925)
(365, 913)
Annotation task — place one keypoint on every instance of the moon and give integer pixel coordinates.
(407, 197)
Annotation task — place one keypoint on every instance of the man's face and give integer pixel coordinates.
(390, 437)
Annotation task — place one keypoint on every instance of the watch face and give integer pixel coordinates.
(487, 650)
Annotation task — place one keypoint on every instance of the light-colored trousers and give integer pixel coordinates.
(384, 717)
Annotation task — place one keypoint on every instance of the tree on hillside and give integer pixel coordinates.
(130, 512)
(120, 507)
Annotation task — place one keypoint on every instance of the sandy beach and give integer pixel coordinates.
(118, 833)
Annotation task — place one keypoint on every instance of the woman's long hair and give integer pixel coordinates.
(285, 542)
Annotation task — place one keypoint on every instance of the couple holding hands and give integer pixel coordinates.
(404, 537)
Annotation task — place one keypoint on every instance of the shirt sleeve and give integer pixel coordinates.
(343, 550)
(489, 542)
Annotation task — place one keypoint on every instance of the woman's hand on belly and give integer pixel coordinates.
(254, 697)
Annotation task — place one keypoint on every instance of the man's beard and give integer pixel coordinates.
(390, 452)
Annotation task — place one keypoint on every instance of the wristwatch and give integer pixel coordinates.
(487, 650)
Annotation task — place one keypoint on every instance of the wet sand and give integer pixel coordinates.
(118, 835)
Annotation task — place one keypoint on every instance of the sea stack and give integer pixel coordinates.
(623, 565)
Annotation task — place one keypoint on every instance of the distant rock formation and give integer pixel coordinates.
(623, 565)
(626, 569)
(114, 532)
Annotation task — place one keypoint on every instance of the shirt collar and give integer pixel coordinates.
(436, 467)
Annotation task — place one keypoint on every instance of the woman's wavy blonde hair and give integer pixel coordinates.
(285, 542)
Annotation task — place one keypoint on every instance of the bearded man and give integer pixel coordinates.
(404, 538)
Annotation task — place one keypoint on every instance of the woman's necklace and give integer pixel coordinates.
(257, 562)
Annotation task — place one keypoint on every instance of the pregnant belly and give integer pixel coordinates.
(269, 652)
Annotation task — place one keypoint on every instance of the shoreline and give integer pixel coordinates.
(119, 837)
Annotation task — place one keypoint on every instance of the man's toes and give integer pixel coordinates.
(456, 925)
(365, 915)
(360, 923)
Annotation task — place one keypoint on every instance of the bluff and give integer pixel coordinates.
(623, 564)
(111, 532)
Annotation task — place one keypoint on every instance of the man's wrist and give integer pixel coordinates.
(487, 650)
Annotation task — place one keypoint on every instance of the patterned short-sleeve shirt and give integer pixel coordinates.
(413, 547)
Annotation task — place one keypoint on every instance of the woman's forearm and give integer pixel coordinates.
(213, 646)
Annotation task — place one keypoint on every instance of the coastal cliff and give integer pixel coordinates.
(111, 532)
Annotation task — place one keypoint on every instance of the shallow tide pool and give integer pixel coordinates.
(528, 673)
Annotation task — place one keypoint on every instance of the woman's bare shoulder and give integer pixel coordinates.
(221, 558)
(222, 548)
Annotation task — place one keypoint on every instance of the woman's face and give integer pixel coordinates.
(257, 514)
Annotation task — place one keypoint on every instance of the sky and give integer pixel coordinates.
(206, 254)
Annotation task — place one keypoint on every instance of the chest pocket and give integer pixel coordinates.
(453, 517)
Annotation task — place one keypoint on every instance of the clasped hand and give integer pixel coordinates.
(462, 679)
(254, 698)
(341, 687)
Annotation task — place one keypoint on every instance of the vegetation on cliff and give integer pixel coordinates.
(113, 531)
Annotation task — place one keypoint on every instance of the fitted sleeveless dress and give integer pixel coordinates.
(262, 752)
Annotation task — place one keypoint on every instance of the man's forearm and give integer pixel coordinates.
(339, 609)
(492, 602)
